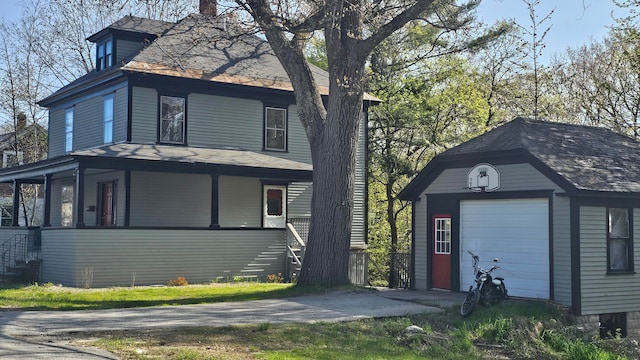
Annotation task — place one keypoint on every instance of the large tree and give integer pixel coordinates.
(332, 129)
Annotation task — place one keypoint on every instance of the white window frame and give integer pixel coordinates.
(615, 235)
(67, 205)
(268, 129)
(107, 118)
(6, 156)
(442, 235)
(68, 130)
(177, 119)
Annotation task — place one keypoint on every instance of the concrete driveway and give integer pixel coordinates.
(44, 334)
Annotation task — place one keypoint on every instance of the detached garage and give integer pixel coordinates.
(558, 204)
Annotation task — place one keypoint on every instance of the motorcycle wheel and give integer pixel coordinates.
(470, 302)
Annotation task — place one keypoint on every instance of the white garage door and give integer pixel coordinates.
(517, 232)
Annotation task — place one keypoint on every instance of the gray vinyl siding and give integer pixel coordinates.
(166, 199)
(299, 149)
(217, 121)
(602, 293)
(144, 115)
(126, 257)
(58, 249)
(240, 202)
(420, 238)
(561, 250)
(120, 116)
(126, 48)
(87, 123)
(299, 200)
(513, 177)
(358, 225)
(56, 132)
(91, 196)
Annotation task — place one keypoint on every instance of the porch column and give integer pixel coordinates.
(215, 181)
(80, 196)
(46, 222)
(15, 213)
(127, 197)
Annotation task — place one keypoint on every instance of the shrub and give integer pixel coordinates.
(179, 281)
(275, 278)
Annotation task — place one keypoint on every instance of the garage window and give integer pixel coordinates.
(442, 235)
(619, 246)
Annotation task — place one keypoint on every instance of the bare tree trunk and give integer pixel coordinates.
(393, 230)
(334, 162)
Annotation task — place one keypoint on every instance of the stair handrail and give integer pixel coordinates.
(17, 244)
(295, 235)
(293, 255)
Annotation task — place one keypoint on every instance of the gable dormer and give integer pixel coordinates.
(124, 39)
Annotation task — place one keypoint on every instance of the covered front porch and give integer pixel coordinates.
(130, 214)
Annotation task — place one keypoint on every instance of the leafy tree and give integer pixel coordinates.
(601, 83)
(332, 130)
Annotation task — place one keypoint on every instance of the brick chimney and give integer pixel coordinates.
(209, 7)
(21, 122)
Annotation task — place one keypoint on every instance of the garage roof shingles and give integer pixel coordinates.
(589, 158)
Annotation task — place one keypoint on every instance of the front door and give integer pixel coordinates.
(107, 203)
(275, 206)
(441, 254)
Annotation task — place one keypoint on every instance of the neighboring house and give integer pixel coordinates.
(27, 143)
(182, 154)
(559, 204)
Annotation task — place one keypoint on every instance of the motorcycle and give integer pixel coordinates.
(488, 290)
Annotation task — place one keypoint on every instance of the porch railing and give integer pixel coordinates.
(16, 260)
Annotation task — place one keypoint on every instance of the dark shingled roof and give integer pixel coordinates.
(133, 24)
(216, 49)
(588, 158)
(197, 47)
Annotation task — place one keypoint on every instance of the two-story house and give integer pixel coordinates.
(181, 154)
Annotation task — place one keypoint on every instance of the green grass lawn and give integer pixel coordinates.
(514, 331)
(49, 297)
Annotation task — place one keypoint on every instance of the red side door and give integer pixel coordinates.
(441, 254)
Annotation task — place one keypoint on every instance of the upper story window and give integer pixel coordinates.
(172, 119)
(68, 130)
(11, 158)
(275, 129)
(619, 243)
(104, 54)
(107, 118)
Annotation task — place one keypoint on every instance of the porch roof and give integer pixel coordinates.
(167, 158)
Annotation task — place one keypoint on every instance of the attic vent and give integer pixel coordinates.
(209, 7)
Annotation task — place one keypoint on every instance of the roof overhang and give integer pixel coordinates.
(236, 79)
(166, 158)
